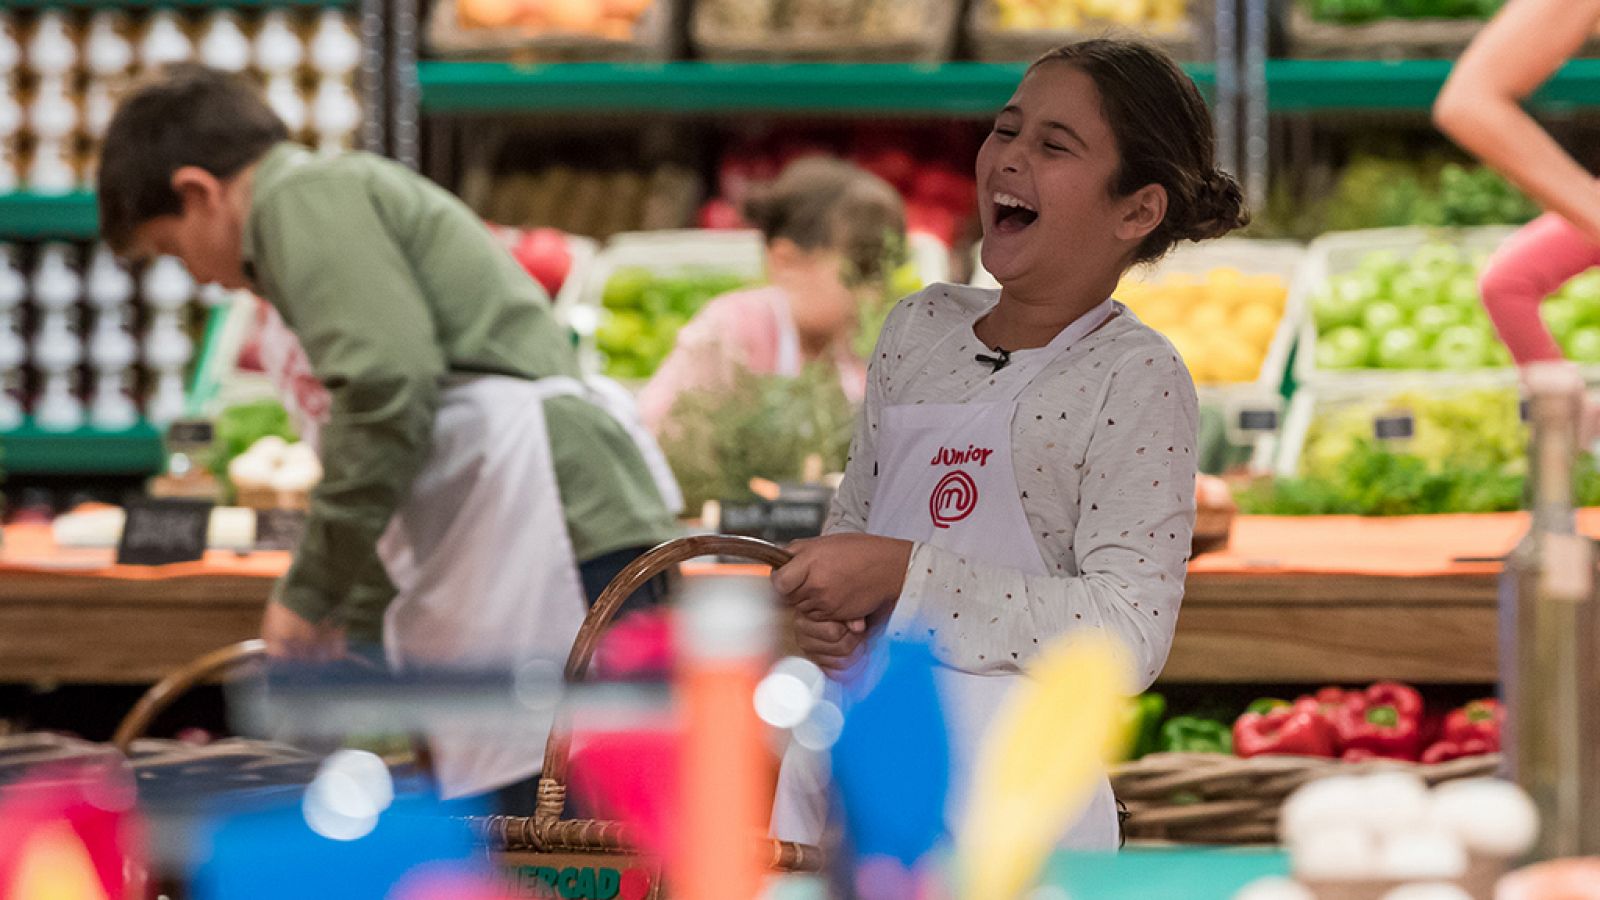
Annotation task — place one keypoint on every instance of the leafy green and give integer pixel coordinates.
(239, 427)
(760, 426)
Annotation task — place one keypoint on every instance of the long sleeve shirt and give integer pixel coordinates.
(1103, 446)
(391, 284)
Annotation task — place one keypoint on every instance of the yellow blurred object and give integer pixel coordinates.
(1222, 323)
(572, 15)
(1038, 766)
(626, 9)
(1256, 324)
(488, 13)
(1038, 15)
(55, 865)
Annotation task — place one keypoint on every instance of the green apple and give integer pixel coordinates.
(1439, 259)
(1431, 321)
(1462, 347)
(1462, 291)
(1562, 316)
(1402, 348)
(1412, 291)
(1381, 266)
(1584, 345)
(1344, 348)
(1379, 317)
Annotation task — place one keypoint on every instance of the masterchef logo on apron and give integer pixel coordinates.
(955, 496)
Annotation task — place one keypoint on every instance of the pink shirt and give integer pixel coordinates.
(743, 331)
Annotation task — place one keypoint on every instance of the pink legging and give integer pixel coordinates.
(1531, 265)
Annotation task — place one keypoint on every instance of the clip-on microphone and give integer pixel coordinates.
(1000, 360)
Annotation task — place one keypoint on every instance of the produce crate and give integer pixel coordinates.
(663, 253)
(1228, 408)
(1342, 252)
(1313, 402)
(668, 253)
(1307, 37)
(1214, 798)
(1191, 40)
(653, 39)
(877, 31)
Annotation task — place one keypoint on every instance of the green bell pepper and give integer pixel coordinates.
(1266, 705)
(1191, 734)
(1141, 724)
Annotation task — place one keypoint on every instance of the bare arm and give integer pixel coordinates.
(1480, 105)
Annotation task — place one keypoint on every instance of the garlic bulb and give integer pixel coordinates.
(56, 285)
(10, 49)
(1492, 817)
(335, 112)
(225, 46)
(99, 105)
(278, 49)
(165, 344)
(111, 409)
(10, 112)
(111, 347)
(55, 347)
(52, 116)
(335, 49)
(51, 51)
(167, 285)
(164, 41)
(107, 49)
(167, 402)
(13, 284)
(284, 98)
(58, 408)
(12, 348)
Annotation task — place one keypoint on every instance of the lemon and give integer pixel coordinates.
(1209, 320)
(1256, 324)
(1229, 360)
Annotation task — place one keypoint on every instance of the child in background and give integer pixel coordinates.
(831, 229)
(475, 491)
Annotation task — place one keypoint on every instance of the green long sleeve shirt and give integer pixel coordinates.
(392, 284)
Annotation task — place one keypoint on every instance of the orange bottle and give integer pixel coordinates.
(725, 637)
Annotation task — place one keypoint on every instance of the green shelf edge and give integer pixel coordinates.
(30, 450)
(948, 89)
(1305, 85)
(26, 216)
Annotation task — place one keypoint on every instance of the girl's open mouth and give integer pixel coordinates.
(1012, 214)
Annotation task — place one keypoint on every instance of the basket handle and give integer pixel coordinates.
(162, 694)
(553, 780)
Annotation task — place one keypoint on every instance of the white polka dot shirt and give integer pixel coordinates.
(1104, 451)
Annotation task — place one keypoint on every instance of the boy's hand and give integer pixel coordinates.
(843, 577)
(289, 636)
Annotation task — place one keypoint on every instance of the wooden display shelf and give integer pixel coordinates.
(1308, 601)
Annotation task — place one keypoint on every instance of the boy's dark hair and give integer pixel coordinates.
(822, 202)
(188, 115)
(1164, 135)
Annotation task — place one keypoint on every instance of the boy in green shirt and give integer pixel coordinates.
(444, 366)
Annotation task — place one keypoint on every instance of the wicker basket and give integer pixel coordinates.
(1191, 41)
(1310, 38)
(930, 37)
(1212, 798)
(653, 40)
(546, 832)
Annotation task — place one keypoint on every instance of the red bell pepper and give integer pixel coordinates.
(1387, 722)
(1479, 720)
(1446, 750)
(1286, 730)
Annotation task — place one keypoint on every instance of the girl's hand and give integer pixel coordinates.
(833, 646)
(843, 577)
(289, 636)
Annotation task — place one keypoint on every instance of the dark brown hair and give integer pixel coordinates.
(188, 115)
(819, 202)
(1164, 136)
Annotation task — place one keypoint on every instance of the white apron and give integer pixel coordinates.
(946, 478)
(481, 560)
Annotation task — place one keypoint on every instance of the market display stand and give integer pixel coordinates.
(1291, 601)
(26, 216)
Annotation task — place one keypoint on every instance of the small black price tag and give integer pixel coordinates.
(1524, 409)
(164, 531)
(744, 519)
(1398, 427)
(191, 432)
(791, 520)
(1258, 420)
(279, 529)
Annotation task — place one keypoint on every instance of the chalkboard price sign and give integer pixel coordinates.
(164, 531)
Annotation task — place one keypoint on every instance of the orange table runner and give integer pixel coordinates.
(1421, 546)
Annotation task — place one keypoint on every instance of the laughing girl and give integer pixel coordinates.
(1025, 466)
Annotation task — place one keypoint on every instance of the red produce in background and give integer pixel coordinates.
(543, 253)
